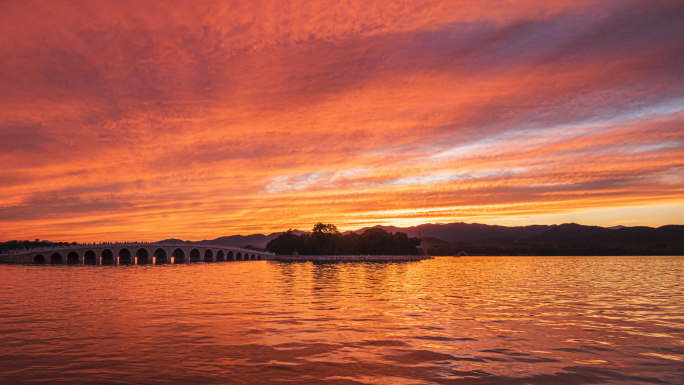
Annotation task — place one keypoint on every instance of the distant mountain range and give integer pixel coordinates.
(574, 234)
(475, 233)
(258, 240)
(466, 232)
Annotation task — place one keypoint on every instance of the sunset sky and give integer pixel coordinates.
(129, 120)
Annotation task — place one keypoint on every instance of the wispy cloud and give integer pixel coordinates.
(206, 118)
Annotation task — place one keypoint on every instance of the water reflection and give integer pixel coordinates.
(466, 320)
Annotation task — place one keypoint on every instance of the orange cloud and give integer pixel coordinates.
(201, 119)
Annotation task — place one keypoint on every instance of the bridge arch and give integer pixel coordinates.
(107, 257)
(208, 255)
(125, 257)
(89, 258)
(56, 259)
(219, 256)
(238, 256)
(142, 255)
(159, 256)
(72, 258)
(258, 258)
(178, 256)
(253, 257)
(195, 256)
(230, 256)
(39, 259)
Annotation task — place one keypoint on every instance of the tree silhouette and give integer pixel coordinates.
(326, 239)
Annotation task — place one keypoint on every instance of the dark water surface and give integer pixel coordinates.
(473, 320)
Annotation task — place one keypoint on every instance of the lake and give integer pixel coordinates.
(470, 320)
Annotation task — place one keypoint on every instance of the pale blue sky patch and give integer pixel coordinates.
(296, 183)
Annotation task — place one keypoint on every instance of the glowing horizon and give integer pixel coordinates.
(203, 119)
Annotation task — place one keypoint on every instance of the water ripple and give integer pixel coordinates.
(489, 320)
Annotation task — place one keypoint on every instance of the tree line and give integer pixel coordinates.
(325, 239)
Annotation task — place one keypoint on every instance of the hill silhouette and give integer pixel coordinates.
(574, 234)
(258, 240)
(574, 239)
(502, 236)
(466, 232)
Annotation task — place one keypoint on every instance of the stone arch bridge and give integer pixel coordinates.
(135, 253)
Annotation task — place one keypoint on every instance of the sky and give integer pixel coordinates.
(127, 120)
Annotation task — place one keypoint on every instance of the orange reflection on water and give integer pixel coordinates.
(477, 319)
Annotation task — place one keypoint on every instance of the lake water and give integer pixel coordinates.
(472, 320)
